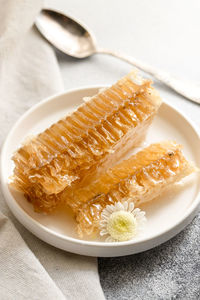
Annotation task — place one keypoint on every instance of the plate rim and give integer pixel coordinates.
(19, 211)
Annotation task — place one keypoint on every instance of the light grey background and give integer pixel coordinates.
(165, 34)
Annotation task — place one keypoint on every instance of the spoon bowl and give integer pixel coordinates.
(67, 34)
(74, 39)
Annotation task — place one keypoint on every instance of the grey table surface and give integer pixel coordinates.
(166, 35)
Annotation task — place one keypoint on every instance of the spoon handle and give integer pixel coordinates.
(186, 89)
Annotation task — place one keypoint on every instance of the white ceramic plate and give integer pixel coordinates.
(166, 217)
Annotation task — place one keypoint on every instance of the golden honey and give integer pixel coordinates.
(80, 147)
(141, 178)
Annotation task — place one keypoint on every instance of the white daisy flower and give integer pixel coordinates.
(121, 222)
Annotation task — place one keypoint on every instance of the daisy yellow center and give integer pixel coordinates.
(121, 225)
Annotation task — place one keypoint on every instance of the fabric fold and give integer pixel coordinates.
(29, 72)
(22, 276)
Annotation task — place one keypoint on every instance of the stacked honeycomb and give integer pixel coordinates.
(140, 179)
(76, 150)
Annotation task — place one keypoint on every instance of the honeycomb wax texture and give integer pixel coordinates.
(80, 147)
(140, 179)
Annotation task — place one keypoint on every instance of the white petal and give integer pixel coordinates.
(119, 206)
(109, 208)
(137, 216)
(105, 215)
(105, 210)
(103, 222)
(131, 206)
(109, 239)
(103, 232)
(125, 205)
(140, 215)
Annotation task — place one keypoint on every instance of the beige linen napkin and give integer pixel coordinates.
(29, 268)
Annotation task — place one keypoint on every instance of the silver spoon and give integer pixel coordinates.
(72, 38)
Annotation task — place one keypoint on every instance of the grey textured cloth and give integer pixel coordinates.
(29, 268)
(170, 271)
